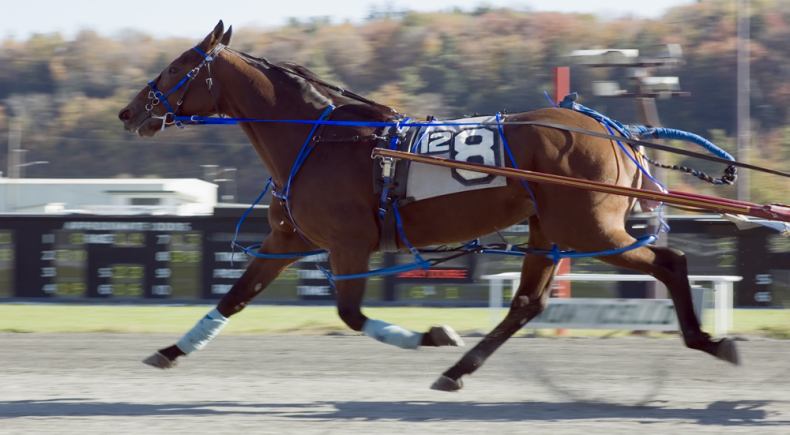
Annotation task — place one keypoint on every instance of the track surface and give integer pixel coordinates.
(94, 383)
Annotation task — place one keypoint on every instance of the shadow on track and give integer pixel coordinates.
(656, 372)
(746, 413)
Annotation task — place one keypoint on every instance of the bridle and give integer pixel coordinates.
(155, 96)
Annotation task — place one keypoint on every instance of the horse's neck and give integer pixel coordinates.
(277, 144)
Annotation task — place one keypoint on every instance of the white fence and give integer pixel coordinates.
(650, 310)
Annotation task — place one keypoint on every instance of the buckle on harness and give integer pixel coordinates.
(387, 167)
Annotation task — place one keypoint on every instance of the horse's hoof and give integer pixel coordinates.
(446, 384)
(160, 361)
(728, 351)
(445, 336)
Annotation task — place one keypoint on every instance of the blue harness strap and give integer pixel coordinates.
(285, 196)
(555, 253)
(418, 263)
(513, 161)
(251, 250)
(558, 255)
(569, 102)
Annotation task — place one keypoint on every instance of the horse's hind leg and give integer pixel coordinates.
(666, 265)
(537, 275)
(669, 266)
(259, 274)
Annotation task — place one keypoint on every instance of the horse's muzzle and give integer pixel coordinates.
(125, 115)
(137, 123)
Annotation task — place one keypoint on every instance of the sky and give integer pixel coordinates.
(195, 18)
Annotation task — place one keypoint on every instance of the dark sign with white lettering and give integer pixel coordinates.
(190, 258)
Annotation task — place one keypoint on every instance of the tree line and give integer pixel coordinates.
(68, 92)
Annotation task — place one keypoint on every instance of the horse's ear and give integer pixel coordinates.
(213, 38)
(226, 37)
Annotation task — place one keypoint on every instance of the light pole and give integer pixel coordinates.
(14, 147)
(14, 141)
(210, 172)
(16, 167)
(744, 122)
(230, 185)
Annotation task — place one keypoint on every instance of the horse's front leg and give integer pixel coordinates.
(259, 274)
(347, 261)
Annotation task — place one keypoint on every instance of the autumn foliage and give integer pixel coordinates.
(68, 92)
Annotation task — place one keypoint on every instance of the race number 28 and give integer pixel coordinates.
(477, 145)
(473, 145)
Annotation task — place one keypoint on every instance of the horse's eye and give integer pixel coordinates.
(173, 70)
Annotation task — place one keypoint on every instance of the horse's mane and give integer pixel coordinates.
(303, 71)
(356, 107)
(307, 79)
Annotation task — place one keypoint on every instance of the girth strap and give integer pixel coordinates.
(389, 181)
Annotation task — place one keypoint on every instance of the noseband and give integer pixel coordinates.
(155, 96)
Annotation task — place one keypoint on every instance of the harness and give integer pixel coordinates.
(155, 96)
(391, 225)
(389, 185)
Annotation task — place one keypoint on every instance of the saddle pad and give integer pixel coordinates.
(466, 143)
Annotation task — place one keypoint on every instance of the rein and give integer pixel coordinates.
(156, 96)
(205, 120)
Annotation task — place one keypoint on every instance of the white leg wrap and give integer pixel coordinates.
(207, 328)
(392, 334)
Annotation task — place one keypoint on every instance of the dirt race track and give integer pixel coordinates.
(95, 384)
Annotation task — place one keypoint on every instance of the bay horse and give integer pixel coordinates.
(333, 206)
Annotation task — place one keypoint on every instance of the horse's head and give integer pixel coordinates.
(166, 96)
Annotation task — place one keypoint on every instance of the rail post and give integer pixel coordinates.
(562, 82)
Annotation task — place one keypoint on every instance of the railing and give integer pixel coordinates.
(722, 287)
(153, 210)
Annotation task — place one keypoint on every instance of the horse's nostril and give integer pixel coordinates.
(125, 115)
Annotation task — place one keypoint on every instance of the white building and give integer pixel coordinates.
(116, 196)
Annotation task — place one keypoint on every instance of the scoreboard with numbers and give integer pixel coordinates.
(107, 258)
(128, 258)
